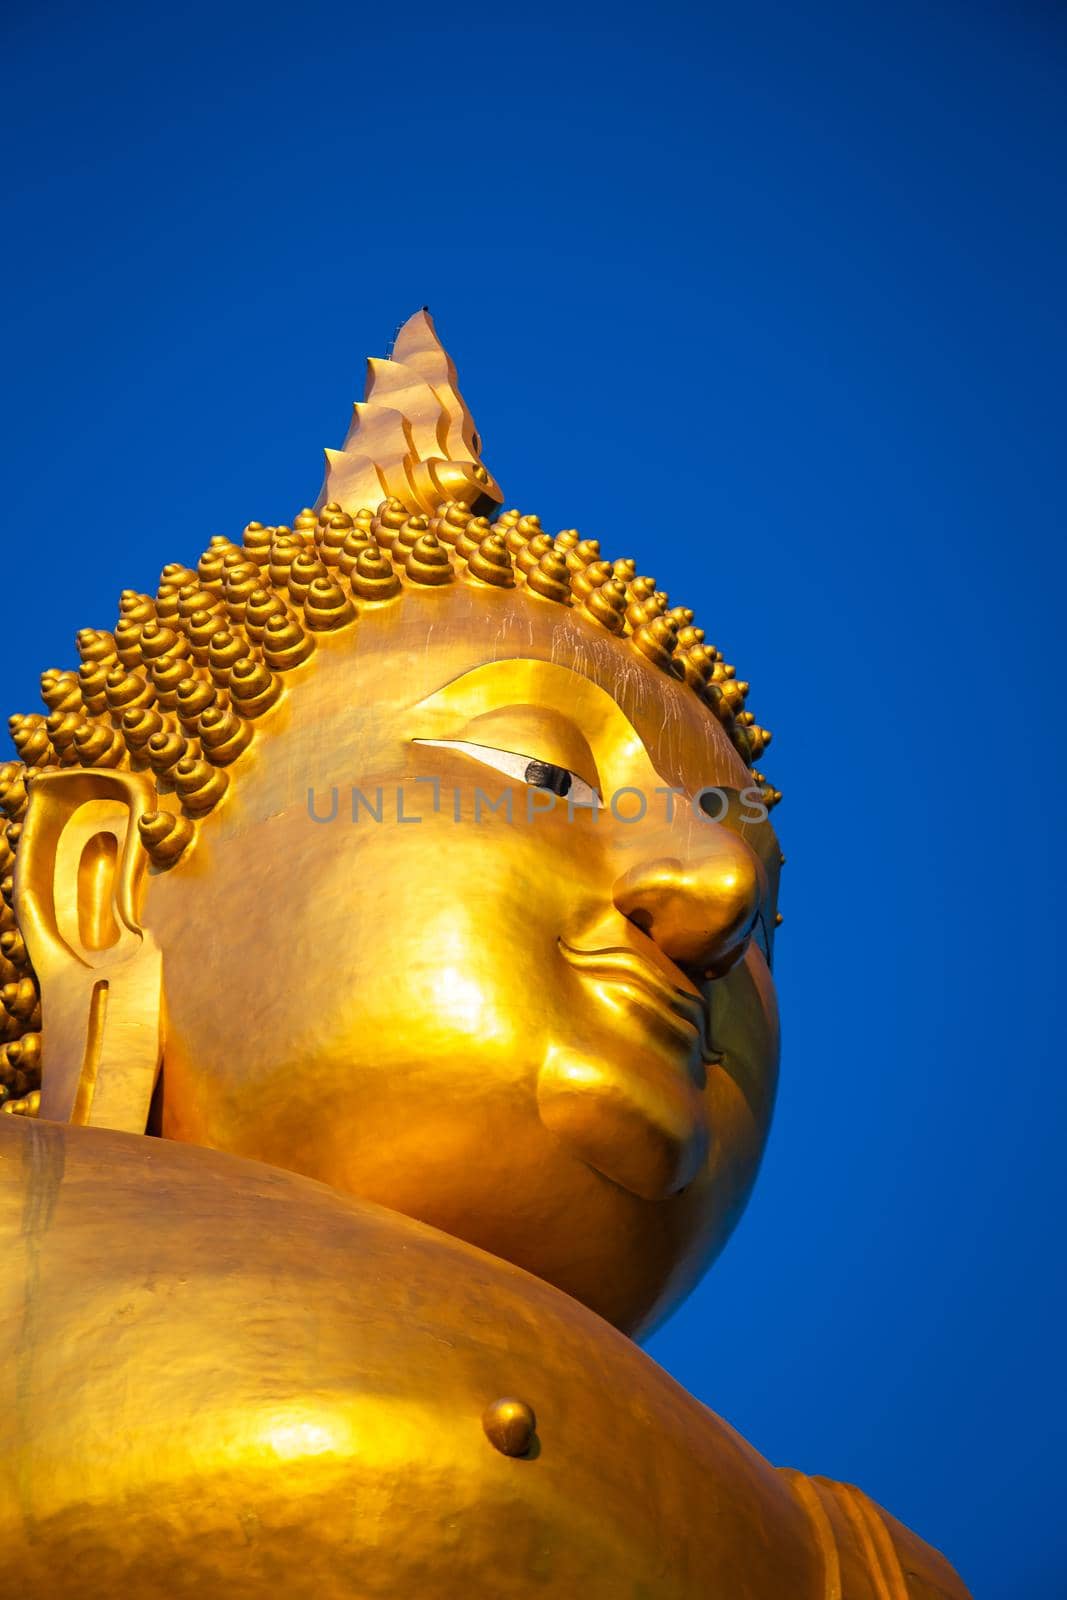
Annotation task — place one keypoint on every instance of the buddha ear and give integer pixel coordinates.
(79, 882)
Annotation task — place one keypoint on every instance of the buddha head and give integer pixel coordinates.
(415, 852)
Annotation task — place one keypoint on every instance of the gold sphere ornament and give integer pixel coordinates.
(510, 1426)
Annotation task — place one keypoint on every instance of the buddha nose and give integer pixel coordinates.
(700, 911)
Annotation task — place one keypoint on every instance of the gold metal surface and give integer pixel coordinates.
(425, 859)
(235, 1382)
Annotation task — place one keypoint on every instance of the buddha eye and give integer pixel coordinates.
(532, 770)
(543, 775)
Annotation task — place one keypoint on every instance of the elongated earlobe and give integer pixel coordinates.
(79, 882)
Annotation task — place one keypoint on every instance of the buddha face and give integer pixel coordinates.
(468, 941)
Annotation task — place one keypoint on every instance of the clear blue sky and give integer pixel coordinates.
(776, 294)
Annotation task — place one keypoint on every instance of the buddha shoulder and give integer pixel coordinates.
(225, 1379)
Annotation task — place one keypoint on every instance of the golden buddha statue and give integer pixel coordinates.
(387, 1037)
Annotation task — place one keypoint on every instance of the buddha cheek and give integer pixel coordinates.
(402, 975)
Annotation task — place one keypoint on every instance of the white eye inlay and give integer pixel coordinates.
(545, 774)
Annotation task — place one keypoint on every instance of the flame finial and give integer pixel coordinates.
(411, 436)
